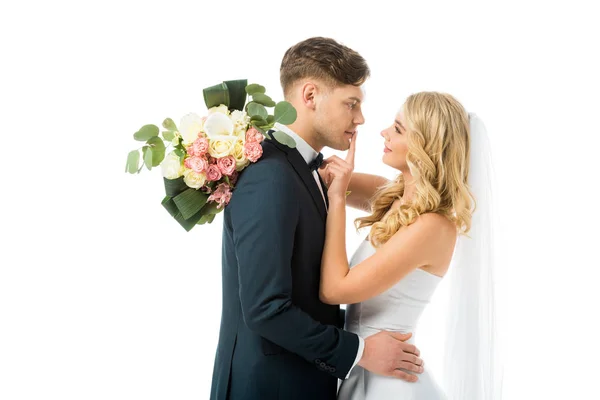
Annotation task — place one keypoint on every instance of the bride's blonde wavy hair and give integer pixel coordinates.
(438, 158)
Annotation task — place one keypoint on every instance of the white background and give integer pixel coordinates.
(103, 296)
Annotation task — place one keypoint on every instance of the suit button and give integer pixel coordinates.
(317, 361)
(332, 369)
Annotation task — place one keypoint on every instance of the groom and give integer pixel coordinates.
(277, 339)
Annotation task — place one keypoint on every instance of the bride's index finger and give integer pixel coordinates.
(352, 150)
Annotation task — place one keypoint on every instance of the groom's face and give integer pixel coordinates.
(338, 113)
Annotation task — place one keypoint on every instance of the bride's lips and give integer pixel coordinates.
(386, 149)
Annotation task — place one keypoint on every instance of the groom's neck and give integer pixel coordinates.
(306, 132)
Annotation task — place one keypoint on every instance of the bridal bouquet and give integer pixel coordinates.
(209, 152)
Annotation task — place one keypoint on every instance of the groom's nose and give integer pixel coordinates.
(359, 119)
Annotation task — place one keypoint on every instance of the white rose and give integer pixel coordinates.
(194, 179)
(221, 147)
(238, 153)
(171, 166)
(189, 128)
(222, 109)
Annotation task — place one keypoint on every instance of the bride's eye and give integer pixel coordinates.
(397, 130)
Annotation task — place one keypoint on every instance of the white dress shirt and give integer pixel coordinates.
(309, 154)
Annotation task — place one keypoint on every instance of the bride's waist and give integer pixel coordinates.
(364, 331)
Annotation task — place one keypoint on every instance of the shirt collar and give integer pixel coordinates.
(307, 152)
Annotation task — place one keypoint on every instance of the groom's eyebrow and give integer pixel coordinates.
(355, 99)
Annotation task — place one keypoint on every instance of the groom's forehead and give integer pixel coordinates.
(351, 92)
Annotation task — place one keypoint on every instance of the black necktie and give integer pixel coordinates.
(316, 163)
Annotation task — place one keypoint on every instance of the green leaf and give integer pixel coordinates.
(168, 135)
(147, 150)
(267, 134)
(211, 208)
(190, 201)
(255, 88)
(158, 150)
(133, 160)
(283, 138)
(173, 187)
(187, 224)
(270, 120)
(263, 99)
(285, 113)
(146, 132)
(258, 121)
(180, 153)
(237, 93)
(216, 95)
(255, 109)
(169, 125)
(259, 128)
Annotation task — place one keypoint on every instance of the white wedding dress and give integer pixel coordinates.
(397, 309)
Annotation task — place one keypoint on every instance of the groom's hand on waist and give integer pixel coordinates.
(386, 353)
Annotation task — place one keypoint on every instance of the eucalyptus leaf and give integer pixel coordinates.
(169, 125)
(258, 128)
(285, 113)
(270, 120)
(158, 150)
(168, 135)
(133, 160)
(146, 132)
(255, 109)
(255, 88)
(147, 150)
(263, 99)
(258, 121)
(284, 138)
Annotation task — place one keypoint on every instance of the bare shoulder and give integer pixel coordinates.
(441, 234)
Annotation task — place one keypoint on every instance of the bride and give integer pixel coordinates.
(420, 224)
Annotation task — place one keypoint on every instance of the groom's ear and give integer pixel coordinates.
(309, 93)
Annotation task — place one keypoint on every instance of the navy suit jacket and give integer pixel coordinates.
(277, 339)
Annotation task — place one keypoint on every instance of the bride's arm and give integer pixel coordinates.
(362, 187)
(408, 249)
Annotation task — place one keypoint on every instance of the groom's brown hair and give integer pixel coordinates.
(324, 59)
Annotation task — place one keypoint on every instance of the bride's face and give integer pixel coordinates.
(396, 144)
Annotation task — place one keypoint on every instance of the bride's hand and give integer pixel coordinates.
(336, 173)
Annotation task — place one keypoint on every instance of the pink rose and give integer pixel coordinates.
(226, 165)
(213, 173)
(254, 135)
(200, 146)
(253, 151)
(197, 164)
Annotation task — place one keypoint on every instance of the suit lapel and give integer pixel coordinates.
(305, 174)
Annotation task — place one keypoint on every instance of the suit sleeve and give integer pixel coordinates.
(263, 214)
